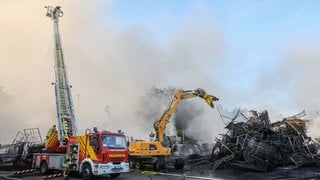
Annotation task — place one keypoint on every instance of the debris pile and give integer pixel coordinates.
(19, 154)
(260, 145)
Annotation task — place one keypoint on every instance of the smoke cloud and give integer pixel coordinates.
(111, 69)
(188, 121)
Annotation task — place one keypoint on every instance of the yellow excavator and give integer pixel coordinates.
(158, 152)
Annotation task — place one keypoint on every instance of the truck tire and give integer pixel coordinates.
(160, 164)
(114, 175)
(131, 164)
(139, 164)
(87, 172)
(43, 168)
(178, 163)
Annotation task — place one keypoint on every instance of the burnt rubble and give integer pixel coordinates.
(260, 145)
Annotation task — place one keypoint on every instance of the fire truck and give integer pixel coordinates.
(94, 153)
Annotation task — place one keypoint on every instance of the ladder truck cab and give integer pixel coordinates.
(95, 152)
(100, 153)
(159, 152)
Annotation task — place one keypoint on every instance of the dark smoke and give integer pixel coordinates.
(156, 101)
(186, 114)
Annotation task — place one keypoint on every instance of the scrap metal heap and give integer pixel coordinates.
(260, 145)
(18, 154)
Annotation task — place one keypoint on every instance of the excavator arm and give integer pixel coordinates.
(178, 96)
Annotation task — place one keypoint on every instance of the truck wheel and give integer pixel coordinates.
(87, 172)
(132, 164)
(139, 164)
(44, 168)
(115, 175)
(160, 164)
(178, 163)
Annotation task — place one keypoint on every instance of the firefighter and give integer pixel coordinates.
(51, 131)
(66, 164)
(69, 161)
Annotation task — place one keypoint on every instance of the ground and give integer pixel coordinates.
(199, 173)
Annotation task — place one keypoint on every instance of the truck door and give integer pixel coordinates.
(94, 142)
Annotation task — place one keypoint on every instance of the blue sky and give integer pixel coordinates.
(242, 21)
(247, 26)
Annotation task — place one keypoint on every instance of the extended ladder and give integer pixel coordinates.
(64, 103)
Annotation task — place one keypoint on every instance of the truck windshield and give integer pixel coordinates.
(113, 141)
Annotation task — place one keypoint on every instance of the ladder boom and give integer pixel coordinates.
(64, 103)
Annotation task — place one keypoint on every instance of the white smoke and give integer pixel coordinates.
(107, 67)
(112, 67)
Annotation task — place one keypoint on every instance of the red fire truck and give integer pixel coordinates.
(96, 152)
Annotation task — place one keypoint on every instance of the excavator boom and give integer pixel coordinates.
(178, 96)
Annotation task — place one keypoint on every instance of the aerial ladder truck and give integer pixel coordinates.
(94, 153)
(159, 152)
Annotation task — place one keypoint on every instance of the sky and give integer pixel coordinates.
(251, 54)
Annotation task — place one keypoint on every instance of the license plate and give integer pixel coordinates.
(117, 167)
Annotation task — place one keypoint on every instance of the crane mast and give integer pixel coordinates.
(64, 103)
